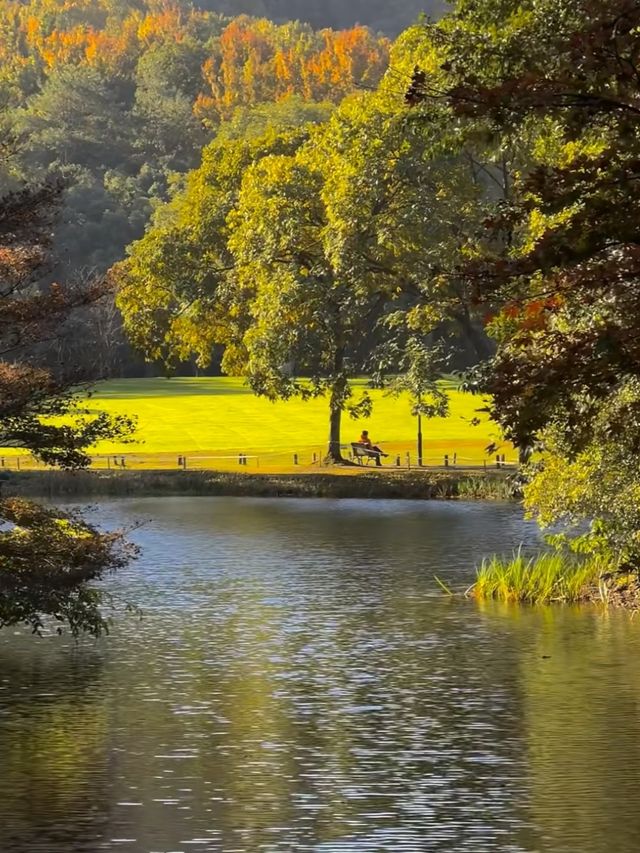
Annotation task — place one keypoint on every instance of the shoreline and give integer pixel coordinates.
(406, 485)
(615, 591)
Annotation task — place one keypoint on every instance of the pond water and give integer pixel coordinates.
(298, 682)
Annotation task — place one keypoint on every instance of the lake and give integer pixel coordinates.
(299, 682)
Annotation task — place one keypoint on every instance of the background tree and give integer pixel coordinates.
(420, 371)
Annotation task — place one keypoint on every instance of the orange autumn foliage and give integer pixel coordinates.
(259, 61)
(250, 60)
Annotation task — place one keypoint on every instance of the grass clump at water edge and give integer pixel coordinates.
(542, 579)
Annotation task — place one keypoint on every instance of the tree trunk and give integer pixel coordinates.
(477, 338)
(336, 405)
(335, 420)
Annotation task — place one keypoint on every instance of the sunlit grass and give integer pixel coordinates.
(221, 414)
(211, 421)
(537, 580)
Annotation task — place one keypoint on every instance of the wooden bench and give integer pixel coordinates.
(361, 453)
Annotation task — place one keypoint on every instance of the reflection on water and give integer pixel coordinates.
(299, 683)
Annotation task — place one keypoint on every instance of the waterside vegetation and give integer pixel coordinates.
(555, 577)
(407, 485)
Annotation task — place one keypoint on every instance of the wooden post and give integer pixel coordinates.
(455, 459)
(497, 461)
(398, 461)
(446, 460)
(409, 461)
(123, 462)
(240, 459)
(295, 458)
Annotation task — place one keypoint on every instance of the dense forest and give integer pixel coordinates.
(119, 101)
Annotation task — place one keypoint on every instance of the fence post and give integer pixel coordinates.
(446, 460)
(455, 459)
(409, 461)
(398, 461)
(503, 460)
(315, 458)
(497, 462)
(295, 458)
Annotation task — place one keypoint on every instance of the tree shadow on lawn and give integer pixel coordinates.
(138, 389)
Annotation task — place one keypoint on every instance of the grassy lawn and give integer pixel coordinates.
(217, 417)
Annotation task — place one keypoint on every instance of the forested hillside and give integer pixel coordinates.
(118, 100)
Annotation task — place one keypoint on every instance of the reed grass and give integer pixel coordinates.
(539, 580)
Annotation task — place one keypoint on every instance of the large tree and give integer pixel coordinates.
(48, 558)
(311, 315)
(242, 259)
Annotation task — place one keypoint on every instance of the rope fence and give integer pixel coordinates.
(301, 459)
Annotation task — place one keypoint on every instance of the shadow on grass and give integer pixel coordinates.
(136, 389)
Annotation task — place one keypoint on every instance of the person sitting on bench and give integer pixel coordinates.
(375, 451)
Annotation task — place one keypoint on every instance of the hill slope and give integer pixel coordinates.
(389, 16)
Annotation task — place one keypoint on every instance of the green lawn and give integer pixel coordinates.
(220, 416)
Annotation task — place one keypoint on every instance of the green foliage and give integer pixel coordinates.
(422, 368)
(48, 560)
(598, 485)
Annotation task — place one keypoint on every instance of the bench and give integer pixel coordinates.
(361, 453)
